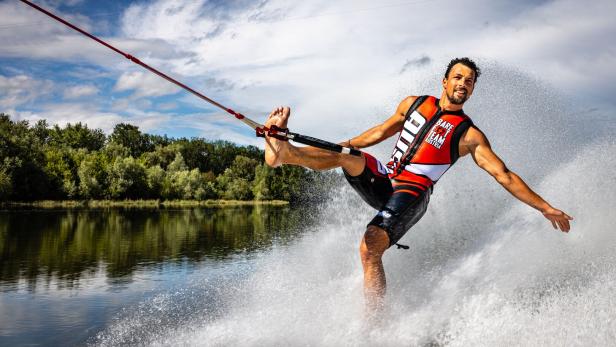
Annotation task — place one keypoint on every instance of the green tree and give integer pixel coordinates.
(93, 180)
(61, 172)
(197, 153)
(115, 150)
(127, 179)
(129, 136)
(261, 186)
(41, 131)
(77, 136)
(155, 179)
(23, 150)
(6, 185)
(181, 183)
(210, 186)
(161, 155)
(188, 184)
(177, 164)
(235, 182)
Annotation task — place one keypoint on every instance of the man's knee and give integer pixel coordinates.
(374, 243)
(353, 165)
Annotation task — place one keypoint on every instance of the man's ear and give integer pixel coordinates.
(444, 82)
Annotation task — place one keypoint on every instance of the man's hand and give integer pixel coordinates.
(560, 220)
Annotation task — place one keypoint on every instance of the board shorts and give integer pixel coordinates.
(400, 204)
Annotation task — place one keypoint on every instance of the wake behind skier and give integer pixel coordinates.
(433, 134)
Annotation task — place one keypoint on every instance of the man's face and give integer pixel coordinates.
(460, 84)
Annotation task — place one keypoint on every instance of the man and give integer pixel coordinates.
(433, 134)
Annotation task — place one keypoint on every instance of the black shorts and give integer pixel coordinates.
(400, 204)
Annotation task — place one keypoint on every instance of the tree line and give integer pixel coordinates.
(42, 162)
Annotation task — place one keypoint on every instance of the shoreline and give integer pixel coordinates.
(139, 203)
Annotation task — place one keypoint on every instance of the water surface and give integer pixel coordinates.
(66, 274)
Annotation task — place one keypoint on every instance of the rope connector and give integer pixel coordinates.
(273, 131)
(236, 114)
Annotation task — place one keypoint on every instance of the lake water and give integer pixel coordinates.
(66, 275)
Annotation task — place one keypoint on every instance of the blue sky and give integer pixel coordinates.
(341, 65)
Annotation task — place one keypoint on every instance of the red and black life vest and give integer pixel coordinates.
(428, 143)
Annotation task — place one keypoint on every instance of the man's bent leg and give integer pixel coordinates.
(279, 152)
(374, 243)
(321, 159)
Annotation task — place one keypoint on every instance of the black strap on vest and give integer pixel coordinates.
(420, 100)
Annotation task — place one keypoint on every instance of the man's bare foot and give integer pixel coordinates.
(275, 150)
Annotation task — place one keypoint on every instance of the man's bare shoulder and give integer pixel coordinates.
(405, 104)
(472, 137)
(409, 100)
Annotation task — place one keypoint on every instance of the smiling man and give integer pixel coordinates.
(432, 134)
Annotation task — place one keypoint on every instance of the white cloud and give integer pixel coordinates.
(25, 32)
(77, 92)
(56, 3)
(87, 113)
(62, 114)
(218, 126)
(562, 42)
(166, 106)
(21, 89)
(145, 84)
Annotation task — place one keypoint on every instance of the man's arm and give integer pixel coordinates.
(478, 146)
(384, 130)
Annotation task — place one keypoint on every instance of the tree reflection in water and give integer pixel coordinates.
(65, 245)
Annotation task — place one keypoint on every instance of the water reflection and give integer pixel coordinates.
(64, 246)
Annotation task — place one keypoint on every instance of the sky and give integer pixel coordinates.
(340, 65)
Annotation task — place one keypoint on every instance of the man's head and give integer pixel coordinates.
(459, 80)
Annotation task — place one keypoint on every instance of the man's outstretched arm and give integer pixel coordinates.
(479, 148)
(384, 130)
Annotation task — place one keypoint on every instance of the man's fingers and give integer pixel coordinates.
(554, 224)
(566, 223)
(275, 112)
(568, 217)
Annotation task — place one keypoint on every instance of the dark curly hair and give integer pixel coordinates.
(466, 62)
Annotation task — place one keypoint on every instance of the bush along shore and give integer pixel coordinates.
(42, 165)
(138, 203)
